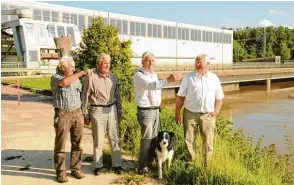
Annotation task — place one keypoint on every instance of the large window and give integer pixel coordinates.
(227, 38)
(196, 35)
(154, 30)
(46, 15)
(42, 34)
(81, 22)
(37, 14)
(60, 31)
(70, 31)
(74, 18)
(206, 36)
(51, 34)
(125, 27)
(169, 32)
(31, 34)
(54, 16)
(122, 26)
(90, 19)
(66, 18)
(183, 34)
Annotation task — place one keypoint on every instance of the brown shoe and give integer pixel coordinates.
(78, 174)
(62, 178)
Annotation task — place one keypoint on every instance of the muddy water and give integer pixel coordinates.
(262, 114)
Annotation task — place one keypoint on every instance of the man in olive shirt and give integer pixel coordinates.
(66, 90)
(101, 91)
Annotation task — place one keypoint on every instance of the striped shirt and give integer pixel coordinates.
(68, 97)
(100, 90)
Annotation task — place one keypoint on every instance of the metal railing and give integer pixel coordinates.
(235, 66)
(48, 67)
(33, 68)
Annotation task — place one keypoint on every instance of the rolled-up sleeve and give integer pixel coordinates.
(55, 79)
(146, 83)
(183, 88)
(219, 94)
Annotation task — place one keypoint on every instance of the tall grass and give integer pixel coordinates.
(237, 160)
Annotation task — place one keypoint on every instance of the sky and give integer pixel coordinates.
(229, 14)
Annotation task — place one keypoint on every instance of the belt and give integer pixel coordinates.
(66, 110)
(147, 108)
(108, 105)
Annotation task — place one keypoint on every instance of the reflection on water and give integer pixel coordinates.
(261, 114)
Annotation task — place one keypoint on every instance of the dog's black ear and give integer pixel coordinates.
(172, 141)
(172, 135)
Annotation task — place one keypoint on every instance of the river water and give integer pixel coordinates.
(259, 113)
(262, 114)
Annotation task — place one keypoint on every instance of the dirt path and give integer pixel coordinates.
(28, 135)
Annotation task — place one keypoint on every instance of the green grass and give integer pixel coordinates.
(237, 160)
(35, 83)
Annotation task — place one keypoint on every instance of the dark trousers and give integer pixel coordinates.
(149, 122)
(64, 123)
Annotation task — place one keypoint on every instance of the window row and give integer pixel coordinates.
(129, 27)
(45, 34)
(169, 32)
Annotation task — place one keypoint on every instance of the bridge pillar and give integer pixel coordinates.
(268, 85)
(230, 87)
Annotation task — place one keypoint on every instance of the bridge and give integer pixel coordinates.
(230, 75)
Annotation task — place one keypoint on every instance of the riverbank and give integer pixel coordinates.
(237, 159)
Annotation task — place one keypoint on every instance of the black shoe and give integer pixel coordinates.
(98, 171)
(118, 170)
(143, 171)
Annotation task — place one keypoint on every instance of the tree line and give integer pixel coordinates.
(262, 42)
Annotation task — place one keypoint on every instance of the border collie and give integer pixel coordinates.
(164, 149)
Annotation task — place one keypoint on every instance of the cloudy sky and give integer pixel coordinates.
(219, 14)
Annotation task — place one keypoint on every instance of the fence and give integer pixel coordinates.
(22, 69)
(49, 67)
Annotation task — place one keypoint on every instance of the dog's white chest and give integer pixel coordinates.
(164, 154)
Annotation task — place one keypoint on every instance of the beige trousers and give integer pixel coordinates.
(206, 124)
(104, 120)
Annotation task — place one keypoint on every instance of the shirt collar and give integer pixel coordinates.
(205, 75)
(145, 72)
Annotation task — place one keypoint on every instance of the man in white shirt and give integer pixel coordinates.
(148, 99)
(201, 94)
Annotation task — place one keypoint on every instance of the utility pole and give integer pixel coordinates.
(264, 41)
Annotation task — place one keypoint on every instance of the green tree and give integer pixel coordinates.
(285, 52)
(279, 41)
(239, 52)
(99, 38)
